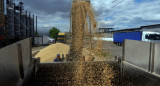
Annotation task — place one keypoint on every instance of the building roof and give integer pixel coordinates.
(132, 29)
(106, 28)
(150, 25)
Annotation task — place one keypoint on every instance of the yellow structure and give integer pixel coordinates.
(61, 37)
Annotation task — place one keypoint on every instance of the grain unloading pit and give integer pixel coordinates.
(63, 74)
(97, 73)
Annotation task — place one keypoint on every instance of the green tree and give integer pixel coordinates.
(54, 32)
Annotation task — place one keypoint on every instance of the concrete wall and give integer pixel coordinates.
(137, 53)
(9, 66)
(26, 53)
(14, 62)
(143, 54)
(156, 62)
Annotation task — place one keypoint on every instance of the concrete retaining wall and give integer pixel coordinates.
(26, 53)
(9, 66)
(143, 54)
(137, 53)
(14, 62)
(156, 62)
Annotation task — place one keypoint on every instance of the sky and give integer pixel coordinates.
(117, 14)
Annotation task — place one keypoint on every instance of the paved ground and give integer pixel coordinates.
(113, 49)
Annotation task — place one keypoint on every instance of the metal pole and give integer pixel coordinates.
(33, 26)
(30, 24)
(20, 23)
(26, 24)
(36, 25)
(33, 31)
(6, 32)
(14, 20)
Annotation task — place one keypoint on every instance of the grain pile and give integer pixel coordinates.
(49, 53)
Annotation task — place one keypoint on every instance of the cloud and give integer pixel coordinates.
(120, 14)
(51, 13)
(128, 13)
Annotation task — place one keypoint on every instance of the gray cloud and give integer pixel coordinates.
(128, 14)
(48, 7)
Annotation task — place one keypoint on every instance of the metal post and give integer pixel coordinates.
(6, 32)
(20, 23)
(33, 26)
(33, 32)
(36, 25)
(14, 20)
(30, 24)
(21, 28)
(26, 25)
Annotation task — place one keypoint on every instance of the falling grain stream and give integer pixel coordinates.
(82, 70)
(84, 29)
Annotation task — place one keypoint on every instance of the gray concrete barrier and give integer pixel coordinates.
(156, 62)
(137, 53)
(14, 62)
(143, 54)
(9, 66)
(26, 53)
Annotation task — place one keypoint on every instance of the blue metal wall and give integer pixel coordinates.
(121, 36)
